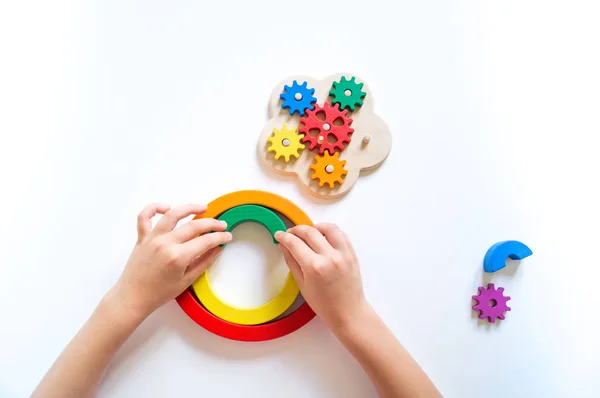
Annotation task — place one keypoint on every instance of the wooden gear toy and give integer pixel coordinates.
(194, 307)
(334, 117)
(248, 316)
(286, 143)
(491, 303)
(328, 169)
(326, 128)
(347, 93)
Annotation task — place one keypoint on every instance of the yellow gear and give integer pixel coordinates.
(286, 143)
(329, 169)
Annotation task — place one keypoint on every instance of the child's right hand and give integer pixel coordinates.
(325, 266)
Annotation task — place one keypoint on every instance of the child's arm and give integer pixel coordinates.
(165, 261)
(325, 266)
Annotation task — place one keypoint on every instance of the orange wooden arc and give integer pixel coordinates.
(260, 198)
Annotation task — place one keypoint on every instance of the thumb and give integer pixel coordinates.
(200, 264)
(293, 265)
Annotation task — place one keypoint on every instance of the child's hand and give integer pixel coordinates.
(326, 269)
(166, 260)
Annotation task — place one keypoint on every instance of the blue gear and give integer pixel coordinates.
(307, 100)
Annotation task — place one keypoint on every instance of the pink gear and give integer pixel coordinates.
(491, 303)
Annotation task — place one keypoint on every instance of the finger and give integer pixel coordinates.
(334, 236)
(144, 221)
(200, 264)
(293, 265)
(173, 216)
(197, 227)
(313, 238)
(299, 250)
(349, 245)
(200, 245)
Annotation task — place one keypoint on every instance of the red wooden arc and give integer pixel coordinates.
(268, 331)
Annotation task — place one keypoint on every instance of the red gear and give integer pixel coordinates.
(326, 128)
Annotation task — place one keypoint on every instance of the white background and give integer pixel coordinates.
(493, 105)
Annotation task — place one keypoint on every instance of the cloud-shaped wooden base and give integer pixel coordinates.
(358, 154)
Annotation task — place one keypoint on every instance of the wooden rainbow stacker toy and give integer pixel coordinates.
(325, 132)
(267, 321)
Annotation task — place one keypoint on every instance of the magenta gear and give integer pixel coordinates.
(491, 303)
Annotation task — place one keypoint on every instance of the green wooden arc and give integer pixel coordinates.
(253, 213)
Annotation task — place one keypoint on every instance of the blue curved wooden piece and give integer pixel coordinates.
(495, 258)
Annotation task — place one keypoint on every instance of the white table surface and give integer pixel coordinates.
(106, 106)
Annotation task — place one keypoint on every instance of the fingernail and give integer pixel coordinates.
(229, 236)
(278, 234)
(223, 224)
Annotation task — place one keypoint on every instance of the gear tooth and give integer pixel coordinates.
(490, 286)
(508, 308)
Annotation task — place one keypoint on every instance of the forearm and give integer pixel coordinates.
(391, 368)
(80, 367)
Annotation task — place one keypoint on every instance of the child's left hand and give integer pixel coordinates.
(167, 259)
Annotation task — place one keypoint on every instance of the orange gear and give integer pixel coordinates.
(329, 169)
